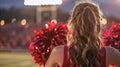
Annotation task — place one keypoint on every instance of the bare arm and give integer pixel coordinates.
(51, 62)
(113, 56)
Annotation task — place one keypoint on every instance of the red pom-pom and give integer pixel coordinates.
(111, 37)
(46, 39)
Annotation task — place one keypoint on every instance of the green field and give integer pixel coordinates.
(16, 59)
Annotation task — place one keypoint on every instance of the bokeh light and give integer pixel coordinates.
(2, 22)
(54, 20)
(13, 20)
(23, 22)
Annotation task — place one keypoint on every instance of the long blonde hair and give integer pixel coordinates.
(85, 41)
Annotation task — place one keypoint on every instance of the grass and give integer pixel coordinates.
(16, 59)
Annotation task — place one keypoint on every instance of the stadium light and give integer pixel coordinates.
(42, 2)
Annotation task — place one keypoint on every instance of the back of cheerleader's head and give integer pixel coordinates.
(86, 16)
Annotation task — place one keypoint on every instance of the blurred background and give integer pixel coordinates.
(19, 18)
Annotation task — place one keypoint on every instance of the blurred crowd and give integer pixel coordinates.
(16, 36)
